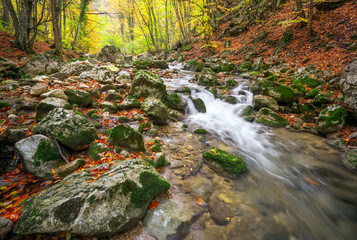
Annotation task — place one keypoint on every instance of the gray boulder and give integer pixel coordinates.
(76, 68)
(207, 77)
(48, 104)
(129, 102)
(79, 97)
(126, 137)
(39, 155)
(146, 84)
(123, 77)
(98, 208)
(348, 84)
(110, 54)
(5, 226)
(331, 119)
(155, 110)
(261, 101)
(350, 159)
(171, 219)
(56, 93)
(38, 89)
(68, 127)
(101, 75)
(42, 63)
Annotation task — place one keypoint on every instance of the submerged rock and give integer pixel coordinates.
(113, 203)
(155, 110)
(70, 128)
(39, 155)
(270, 118)
(331, 119)
(146, 84)
(200, 105)
(225, 161)
(171, 219)
(126, 137)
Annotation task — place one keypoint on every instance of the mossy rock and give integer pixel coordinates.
(244, 67)
(200, 105)
(126, 137)
(231, 83)
(207, 77)
(39, 155)
(174, 101)
(281, 92)
(95, 149)
(48, 104)
(113, 97)
(247, 114)
(109, 106)
(156, 147)
(270, 118)
(323, 98)
(4, 104)
(308, 81)
(231, 100)
(261, 101)
(123, 119)
(79, 97)
(226, 161)
(331, 119)
(350, 159)
(155, 110)
(200, 131)
(146, 84)
(70, 128)
(128, 103)
(313, 93)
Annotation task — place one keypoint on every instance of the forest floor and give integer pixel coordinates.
(332, 46)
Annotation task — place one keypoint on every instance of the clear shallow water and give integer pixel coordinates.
(296, 187)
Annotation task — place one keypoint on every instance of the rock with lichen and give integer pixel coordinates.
(113, 203)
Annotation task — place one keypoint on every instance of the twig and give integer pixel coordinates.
(60, 152)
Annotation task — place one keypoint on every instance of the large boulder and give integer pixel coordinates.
(331, 119)
(171, 219)
(76, 68)
(219, 65)
(270, 118)
(126, 137)
(38, 89)
(110, 54)
(79, 97)
(146, 84)
(224, 161)
(155, 110)
(100, 74)
(193, 66)
(48, 104)
(42, 63)
(261, 101)
(113, 203)
(129, 102)
(207, 77)
(5, 227)
(278, 91)
(348, 84)
(39, 155)
(174, 101)
(56, 93)
(70, 128)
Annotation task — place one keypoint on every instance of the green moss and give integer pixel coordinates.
(244, 67)
(227, 161)
(270, 118)
(200, 131)
(200, 105)
(174, 101)
(140, 128)
(95, 149)
(156, 147)
(309, 82)
(152, 185)
(68, 211)
(331, 116)
(81, 98)
(160, 161)
(313, 93)
(46, 151)
(286, 38)
(193, 61)
(126, 137)
(4, 104)
(123, 119)
(148, 124)
(231, 83)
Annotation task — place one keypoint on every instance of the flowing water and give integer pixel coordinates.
(296, 187)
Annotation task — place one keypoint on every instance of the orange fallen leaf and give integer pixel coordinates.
(199, 201)
(312, 181)
(153, 205)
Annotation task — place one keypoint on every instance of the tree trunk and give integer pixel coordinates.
(56, 33)
(10, 7)
(300, 11)
(84, 4)
(5, 14)
(22, 35)
(311, 12)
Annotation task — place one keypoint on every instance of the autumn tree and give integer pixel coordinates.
(84, 9)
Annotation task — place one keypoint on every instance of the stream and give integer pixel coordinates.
(296, 186)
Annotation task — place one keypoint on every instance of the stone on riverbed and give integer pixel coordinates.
(171, 219)
(155, 110)
(126, 137)
(146, 84)
(70, 128)
(225, 161)
(48, 104)
(270, 118)
(113, 203)
(331, 119)
(39, 155)
(207, 77)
